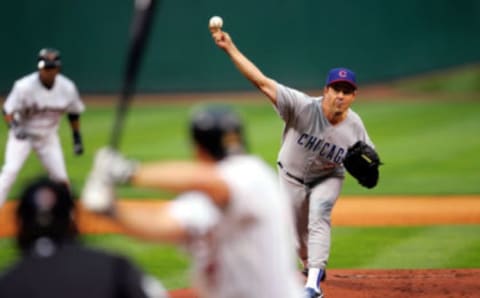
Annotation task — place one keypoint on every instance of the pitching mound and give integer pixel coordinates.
(402, 283)
(393, 284)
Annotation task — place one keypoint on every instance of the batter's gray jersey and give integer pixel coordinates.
(312, 148)
(39, 108)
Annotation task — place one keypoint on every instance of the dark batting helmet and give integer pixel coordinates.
(218, 130)
(48, 58)
(45, 210)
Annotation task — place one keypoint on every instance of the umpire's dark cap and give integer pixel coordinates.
(341, 74)
(48, 58)
(45, 210)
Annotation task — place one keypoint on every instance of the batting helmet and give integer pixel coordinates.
(218, 130)
(48, 58)
(45, 210)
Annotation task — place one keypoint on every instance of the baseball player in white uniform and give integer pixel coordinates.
(318, 132)
(231, 214)
(32, 111)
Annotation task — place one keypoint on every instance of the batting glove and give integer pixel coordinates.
(19, 132)
(77, 143)
(109, 168)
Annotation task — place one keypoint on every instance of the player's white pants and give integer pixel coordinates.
(312, 209)
(48, 150)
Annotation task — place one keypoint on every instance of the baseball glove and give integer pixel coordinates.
(362, 162)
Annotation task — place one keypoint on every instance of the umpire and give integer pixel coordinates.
(54, 264)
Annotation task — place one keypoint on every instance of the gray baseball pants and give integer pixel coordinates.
(312, 209)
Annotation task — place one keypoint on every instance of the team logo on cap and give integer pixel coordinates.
(342, 73)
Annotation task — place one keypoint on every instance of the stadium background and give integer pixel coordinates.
(381, 41)
(417, 64)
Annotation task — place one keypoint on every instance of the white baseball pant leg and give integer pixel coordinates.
(322, 199)
(49, 151)
(16, 152)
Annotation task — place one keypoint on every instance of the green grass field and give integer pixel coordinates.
(429, 147)
(455, 82)
(433, 247)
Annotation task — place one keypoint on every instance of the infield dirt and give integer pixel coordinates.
(392, 284)
(349, 211)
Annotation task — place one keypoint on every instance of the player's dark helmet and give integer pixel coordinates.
(218, 130)
(45, 210)
(48, 58)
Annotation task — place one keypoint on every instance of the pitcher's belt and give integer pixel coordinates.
(300, 180)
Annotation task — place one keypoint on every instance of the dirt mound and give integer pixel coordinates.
(458, 283)
(402, 283)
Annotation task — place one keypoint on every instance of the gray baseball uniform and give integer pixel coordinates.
(40, 110)
(310, 166)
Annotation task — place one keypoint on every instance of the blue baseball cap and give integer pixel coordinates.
(341, 74)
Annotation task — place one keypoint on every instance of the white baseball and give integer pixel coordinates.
(215, 22)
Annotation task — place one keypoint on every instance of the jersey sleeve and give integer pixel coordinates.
(76, 105)
(196, 212)
(368, 140)
(362, 132)
(290, 102)
(13, 100)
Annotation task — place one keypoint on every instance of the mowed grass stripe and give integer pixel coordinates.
(357, 248)
(400, 247)
(428, 147)
(429, 138)
(165, 262)
(445, 245)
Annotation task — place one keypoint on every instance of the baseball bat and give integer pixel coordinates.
(140, 27)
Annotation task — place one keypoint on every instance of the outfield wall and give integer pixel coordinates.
(294, 41)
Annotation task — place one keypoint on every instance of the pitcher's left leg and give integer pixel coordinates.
(323, 197)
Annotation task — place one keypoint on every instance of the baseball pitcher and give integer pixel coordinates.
(32, 111)
(317, 136)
